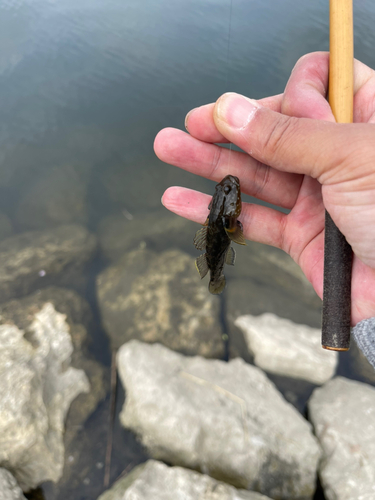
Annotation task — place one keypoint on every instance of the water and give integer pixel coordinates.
(85, 86)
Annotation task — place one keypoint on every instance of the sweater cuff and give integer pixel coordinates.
(364, 334)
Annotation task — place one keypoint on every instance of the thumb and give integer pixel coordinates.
(323, 150)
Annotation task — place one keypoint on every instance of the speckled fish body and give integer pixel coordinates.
(220, 229)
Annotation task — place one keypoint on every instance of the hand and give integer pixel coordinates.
(295, 157)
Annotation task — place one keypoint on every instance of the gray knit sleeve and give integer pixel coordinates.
(364, 334)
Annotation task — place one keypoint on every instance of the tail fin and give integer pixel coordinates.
(217, 286)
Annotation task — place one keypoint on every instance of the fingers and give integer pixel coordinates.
(214, 162)
(326, 151)
(268, 226)
(260, 223)
(306, 90)
(200, 124)
(305, 95)
(364, 91)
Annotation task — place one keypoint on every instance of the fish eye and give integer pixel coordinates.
(227, 189)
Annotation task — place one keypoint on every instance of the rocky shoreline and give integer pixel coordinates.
(213, 428)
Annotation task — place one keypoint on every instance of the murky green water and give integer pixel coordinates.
(86, 85)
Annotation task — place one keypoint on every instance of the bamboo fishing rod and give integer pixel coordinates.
(337, 251)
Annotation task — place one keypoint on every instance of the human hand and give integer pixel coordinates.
(295, 157)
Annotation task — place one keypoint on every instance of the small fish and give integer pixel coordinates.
(220, 229)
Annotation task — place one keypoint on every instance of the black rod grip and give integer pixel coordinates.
(338, 257)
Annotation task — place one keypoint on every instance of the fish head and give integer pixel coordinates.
(227, 198)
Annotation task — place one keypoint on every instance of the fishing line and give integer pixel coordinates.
(227, 62)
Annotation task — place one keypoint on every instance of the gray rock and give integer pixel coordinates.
(36, 390)
(9, 489)
(224, 419)
(160, 298)
(263, 280)
(271, 266)
(156, 481)
(59, 197)
(157, 230)
(21, 312)
(283, 347)
(37, 258)
(342, 412)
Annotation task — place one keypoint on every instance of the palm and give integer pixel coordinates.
(300, 232)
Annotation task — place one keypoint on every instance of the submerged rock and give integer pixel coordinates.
(37, 386)
(285, 348)
(224, 419)
(343, 413)
(21, 312)
(59, 197)
(160, 298)
(156, 481)
(37, 258)
(9, 489)
(157, 230)
(267, 280)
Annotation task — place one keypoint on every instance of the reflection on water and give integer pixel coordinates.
(85, 86)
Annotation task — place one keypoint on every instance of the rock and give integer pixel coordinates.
(37, 387)
(56, 198)
(283, 347)
(160, 298)
(266, 280)
(271, 266)
(37, 259)
(342, 412)
(224, 419)
(158, 231)
(9, 489)
(21, 312)
(156, 481)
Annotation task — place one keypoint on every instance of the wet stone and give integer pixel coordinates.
(157, 231)
(286, 348)
(21, 312)
(9, 489)
(37, 386)
(160, 298)
(224, 419)
(343, 412)
(36, 259)
(156, 481)
(266, 280)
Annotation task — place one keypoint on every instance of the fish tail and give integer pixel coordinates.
(216, 286)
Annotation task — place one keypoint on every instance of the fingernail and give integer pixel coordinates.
(236, 110)
(187, 118)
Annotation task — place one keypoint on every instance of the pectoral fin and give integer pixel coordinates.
(230, 256)
(236, 233)
(200, 239)
(201, 265)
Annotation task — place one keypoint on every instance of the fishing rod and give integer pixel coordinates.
(338, 254)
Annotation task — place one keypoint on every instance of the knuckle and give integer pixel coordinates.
(280, 136)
